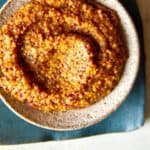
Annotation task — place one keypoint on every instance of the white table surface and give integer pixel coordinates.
(135, 140)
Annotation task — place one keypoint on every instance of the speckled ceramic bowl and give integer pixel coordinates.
(85, 117)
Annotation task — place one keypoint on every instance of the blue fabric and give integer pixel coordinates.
(129, 116)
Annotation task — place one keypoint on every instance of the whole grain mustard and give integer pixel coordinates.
(59, 55)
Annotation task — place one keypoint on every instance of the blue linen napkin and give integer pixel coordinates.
(129, 116)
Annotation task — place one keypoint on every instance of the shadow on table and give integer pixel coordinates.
(139, 26)
(145, 12)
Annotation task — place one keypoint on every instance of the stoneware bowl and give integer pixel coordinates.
(77, 119)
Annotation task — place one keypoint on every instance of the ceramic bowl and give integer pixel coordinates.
(77, 119)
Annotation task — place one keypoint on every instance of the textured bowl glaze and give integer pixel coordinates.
(82, 118)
